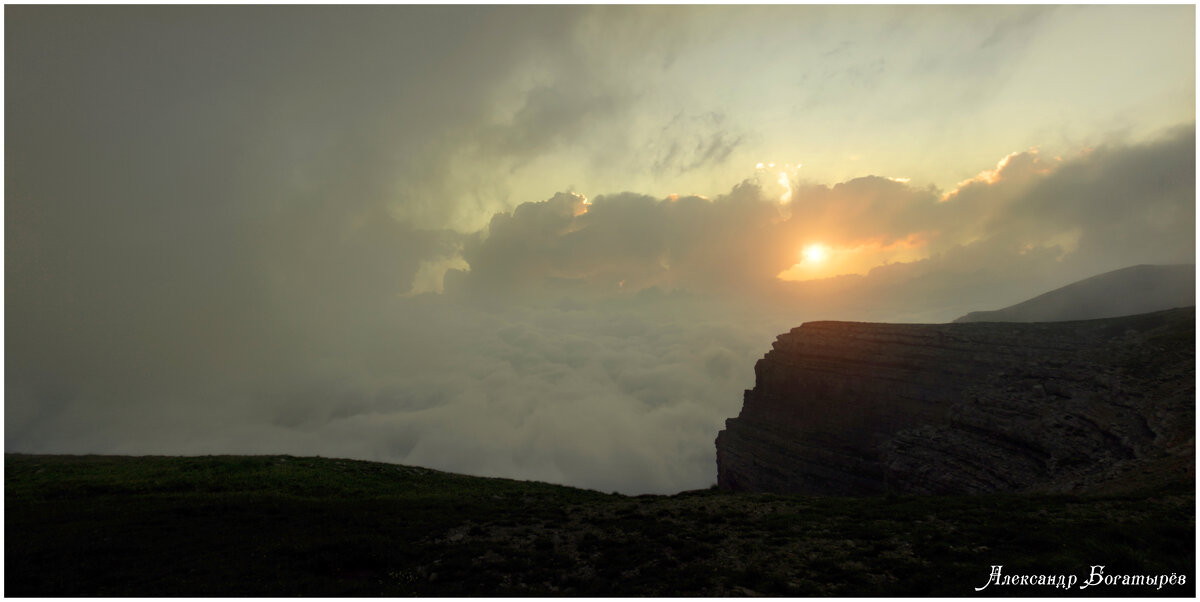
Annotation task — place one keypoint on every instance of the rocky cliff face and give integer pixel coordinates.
(845, 408)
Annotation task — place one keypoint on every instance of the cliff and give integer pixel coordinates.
(845, 408)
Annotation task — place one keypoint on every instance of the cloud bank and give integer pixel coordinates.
(594, 342)
(317, 236)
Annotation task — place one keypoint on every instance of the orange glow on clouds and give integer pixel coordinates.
(1004, 170)
(818, 260)
(987, 176)
(583, 204)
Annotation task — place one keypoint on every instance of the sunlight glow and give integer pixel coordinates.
(786, 183)
(824, 260)
(583, 205)
(815, 253)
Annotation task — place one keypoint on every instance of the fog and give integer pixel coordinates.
(353, 233)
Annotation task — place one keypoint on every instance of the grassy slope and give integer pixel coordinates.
(279, 525)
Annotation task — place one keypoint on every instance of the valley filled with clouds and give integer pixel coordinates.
(536, 242)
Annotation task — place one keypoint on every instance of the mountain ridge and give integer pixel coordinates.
(1127, 291)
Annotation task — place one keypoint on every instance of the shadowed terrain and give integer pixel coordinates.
(284, 526)
(853, 408)
(1134, 290)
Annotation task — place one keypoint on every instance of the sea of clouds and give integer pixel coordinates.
(265, 246)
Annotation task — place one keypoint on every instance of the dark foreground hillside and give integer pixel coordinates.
(284, 526)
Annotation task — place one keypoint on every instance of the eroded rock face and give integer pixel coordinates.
(846, 408)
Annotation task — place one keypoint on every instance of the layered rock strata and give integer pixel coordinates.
(845, 408)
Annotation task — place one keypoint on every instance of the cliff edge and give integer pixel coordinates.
(848, 408)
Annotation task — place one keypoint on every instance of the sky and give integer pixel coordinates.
(543, 242)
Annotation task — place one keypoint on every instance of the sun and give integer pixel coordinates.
(815, 253)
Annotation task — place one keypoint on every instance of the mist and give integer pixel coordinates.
(365, 233)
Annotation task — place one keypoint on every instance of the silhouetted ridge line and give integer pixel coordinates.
(1128, 291)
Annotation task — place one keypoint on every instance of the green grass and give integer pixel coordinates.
(284, 526)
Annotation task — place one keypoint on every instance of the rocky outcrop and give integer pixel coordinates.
(846, 408)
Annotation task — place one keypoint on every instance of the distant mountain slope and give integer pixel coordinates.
(1133, 290)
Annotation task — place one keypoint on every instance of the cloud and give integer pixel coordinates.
(630, 242)
(1132, 201)
(614, 398)
(551, 115)
(237, 248)
(688, 143)
(597, 343)
(1026, 223)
